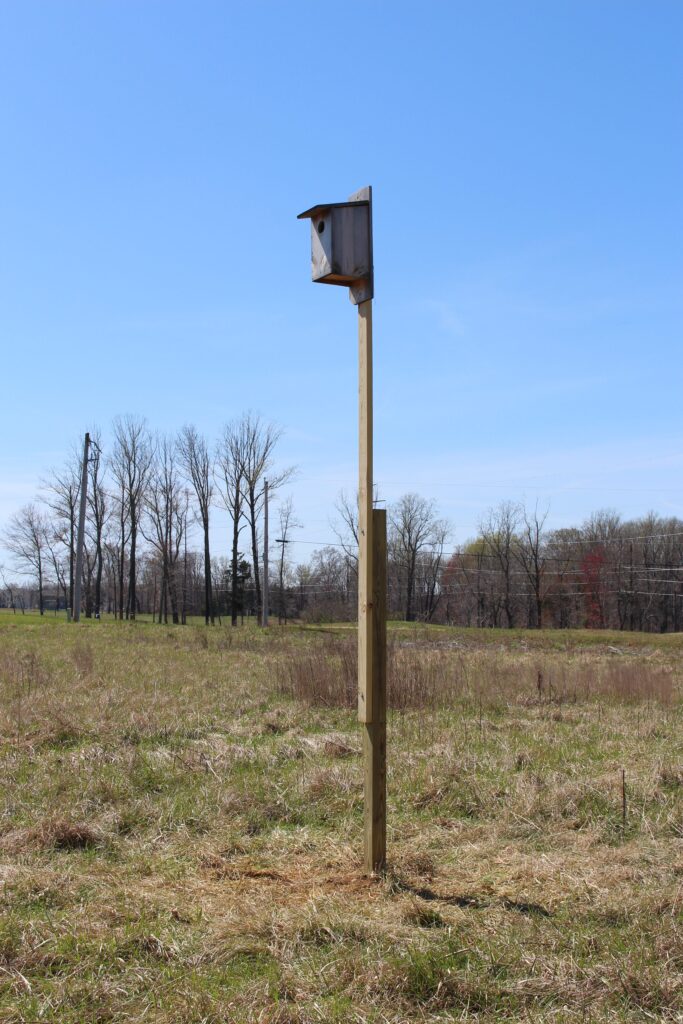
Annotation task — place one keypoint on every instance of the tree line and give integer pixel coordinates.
(149, 491)
(143, 498)
(607, 573)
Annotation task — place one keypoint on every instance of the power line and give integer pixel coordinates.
(581, 541)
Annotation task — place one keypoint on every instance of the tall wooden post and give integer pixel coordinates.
(76, 610)
(341, 254)
(365, 495)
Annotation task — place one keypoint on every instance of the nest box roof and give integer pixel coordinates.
(316, 211)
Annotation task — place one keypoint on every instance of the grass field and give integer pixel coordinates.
(181, 820)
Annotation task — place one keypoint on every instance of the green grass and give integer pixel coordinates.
(180, 839)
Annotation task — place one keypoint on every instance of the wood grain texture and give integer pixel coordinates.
(375, 731)
(365, 484)
(364, 289)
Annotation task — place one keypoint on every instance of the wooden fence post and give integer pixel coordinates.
(375, 730)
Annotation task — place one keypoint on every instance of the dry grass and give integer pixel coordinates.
(181, 814)
(435, 675)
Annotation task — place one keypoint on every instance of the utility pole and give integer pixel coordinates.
(264, 613)
(341, 254)
(76, 610)
(282, 613)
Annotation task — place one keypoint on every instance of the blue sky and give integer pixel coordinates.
(526, 160)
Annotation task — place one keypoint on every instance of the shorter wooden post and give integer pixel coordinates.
(375, 731)
(266, 588)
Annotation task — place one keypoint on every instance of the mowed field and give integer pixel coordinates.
(181, 827)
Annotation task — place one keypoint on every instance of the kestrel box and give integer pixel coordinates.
(341, 244)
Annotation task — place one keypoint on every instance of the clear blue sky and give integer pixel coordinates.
(527, 162)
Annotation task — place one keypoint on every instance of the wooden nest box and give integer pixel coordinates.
(341, 244)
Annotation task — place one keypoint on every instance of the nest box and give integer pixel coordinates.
(341, 244)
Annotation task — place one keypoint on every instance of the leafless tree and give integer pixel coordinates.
(62, 491)
(117, 541)
(57, 556)
(466, 588)
(562, 550)
(531, 555)
(98, 513)
(602, 544)
(9, 588)
(165, 522)
(430, 567)
(327, 586)
(257, 443)
(113, 566)
(412, 519)
(287, 523)
(196, 462)
(131, 464)
(499, 532)
(26, 539)
(231, 456)
(89, 575)
(346, 527)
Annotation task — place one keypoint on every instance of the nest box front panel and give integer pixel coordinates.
(351, 243)
(340, 245)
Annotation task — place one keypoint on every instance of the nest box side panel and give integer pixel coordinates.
(364, 289)
(321, 245)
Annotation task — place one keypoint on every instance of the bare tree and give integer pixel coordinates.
(9, 588)
(287, 523)
(89, 575)
(499, 532)
(465, 586)
(26, 539)
(131, 463)
(164, 525)
(531, 555)
(196, 463)
(117, 542)
(327, 586)
(347, 529)
(602, 539)
(412, 520)
(562, 549)
(430, 565)
(230, 459)
(257, 444)
(98, 514)
(62, 491)
(55, 551)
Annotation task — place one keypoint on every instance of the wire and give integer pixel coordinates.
(460, 552)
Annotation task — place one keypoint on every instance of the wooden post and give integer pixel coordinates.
(375, 731)
(76, 610)
(365, 486)
(341, 254)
